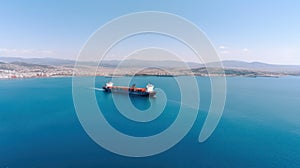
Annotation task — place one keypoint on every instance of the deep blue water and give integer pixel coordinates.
(260, 126)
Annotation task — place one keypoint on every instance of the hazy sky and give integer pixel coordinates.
(250, 30)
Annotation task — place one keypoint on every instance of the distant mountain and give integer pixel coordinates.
(41, 61)
(24, 64)
(258, 66)
(253, 66)
(135, 63)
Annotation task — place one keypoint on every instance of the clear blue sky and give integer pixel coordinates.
(250, 30)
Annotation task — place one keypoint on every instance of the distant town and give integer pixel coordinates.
(11, 68)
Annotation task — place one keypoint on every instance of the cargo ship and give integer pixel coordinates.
(133, 90)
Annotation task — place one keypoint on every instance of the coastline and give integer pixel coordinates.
(20, 70)
(109, 76)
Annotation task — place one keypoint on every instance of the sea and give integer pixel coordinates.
(260, 125)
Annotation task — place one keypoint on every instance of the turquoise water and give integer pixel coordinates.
(260, 126)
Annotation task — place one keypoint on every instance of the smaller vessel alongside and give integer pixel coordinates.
(147, 91)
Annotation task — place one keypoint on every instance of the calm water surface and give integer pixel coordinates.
(260, 126)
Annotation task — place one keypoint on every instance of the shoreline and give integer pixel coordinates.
(120, 76)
